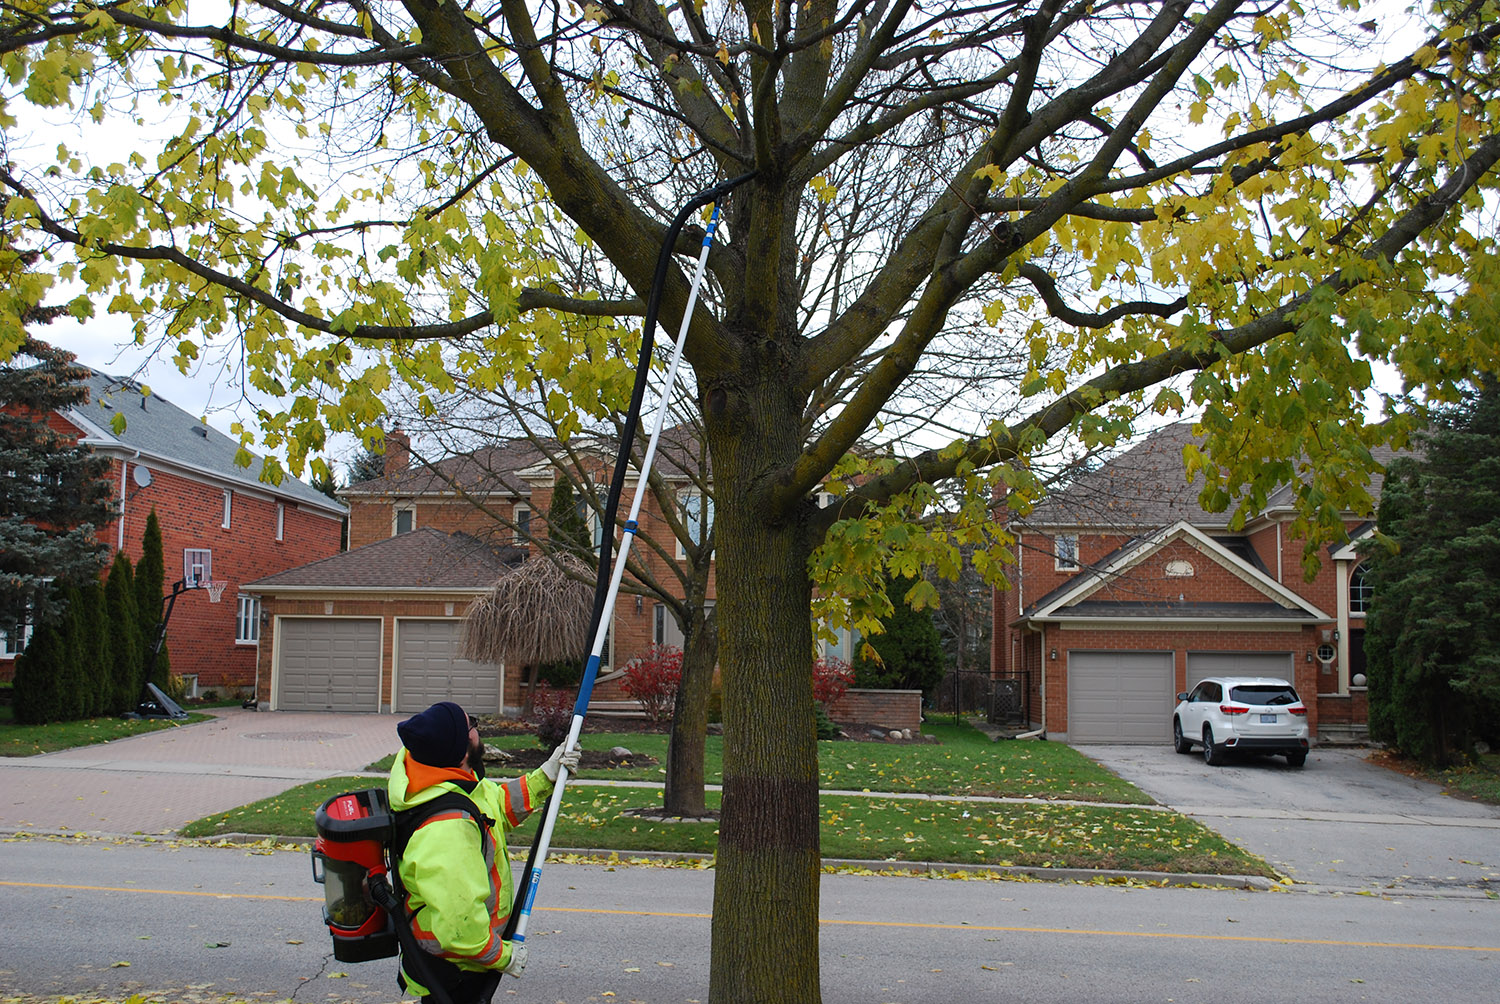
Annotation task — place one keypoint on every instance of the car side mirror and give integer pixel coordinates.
(1182, 696)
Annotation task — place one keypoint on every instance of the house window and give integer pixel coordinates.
(1179, 569)
(522, 519)
(1066, 551)
(228, 507)
(247, 624)
(197, 567)
(280, 521)
(406, 520)
(13, 642)
(659, 627)
(1360, 591)
(695, 517)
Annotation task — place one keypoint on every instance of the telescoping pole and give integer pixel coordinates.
(607, 587)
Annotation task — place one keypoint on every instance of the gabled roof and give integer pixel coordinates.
(1075, 599)
(163, 432)
(425, 558)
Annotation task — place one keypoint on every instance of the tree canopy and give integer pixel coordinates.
(1088, 212)
(1433, 629)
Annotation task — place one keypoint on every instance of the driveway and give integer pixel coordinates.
(160, 781)
(1340, 823)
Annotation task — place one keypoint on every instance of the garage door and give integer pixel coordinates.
(1201, 664)
(1119, 697)
(429, 669)
(328, 664)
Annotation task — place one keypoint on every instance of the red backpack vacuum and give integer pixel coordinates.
(354, 831)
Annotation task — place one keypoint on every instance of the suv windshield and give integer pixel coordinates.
(1263, 693)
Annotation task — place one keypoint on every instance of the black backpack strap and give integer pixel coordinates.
(408, 821)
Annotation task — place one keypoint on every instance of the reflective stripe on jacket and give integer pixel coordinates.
(458, 879)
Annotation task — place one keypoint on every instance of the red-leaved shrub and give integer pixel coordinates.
(651, 679)
(831, 677)
(552, 714)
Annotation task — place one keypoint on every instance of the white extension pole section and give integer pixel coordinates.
(617, 573)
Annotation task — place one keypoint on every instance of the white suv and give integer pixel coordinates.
(1252, 713)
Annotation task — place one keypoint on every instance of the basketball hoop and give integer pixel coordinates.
(215, 590)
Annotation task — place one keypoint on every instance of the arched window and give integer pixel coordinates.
(1360, 591)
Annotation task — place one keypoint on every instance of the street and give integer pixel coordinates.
(199, 922)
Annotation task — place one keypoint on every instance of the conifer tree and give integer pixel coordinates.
(97, 651)
(150, 586)
(1432, 634)
(37, 692)
(910, 648)
(565, 522)
(53, 496)
(126, 666)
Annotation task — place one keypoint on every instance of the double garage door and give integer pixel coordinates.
(1127, 697)
(333, 664)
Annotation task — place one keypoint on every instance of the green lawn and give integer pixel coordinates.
(963, 762)
(29, 740)
(860, 828)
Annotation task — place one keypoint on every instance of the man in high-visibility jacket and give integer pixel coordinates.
(455, 868)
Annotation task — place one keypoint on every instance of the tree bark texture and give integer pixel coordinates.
(765, 934)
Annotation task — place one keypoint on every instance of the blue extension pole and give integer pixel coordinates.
(612, 573)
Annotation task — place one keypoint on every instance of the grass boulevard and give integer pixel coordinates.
(882, 802)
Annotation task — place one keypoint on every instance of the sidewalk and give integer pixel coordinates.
(158, 782)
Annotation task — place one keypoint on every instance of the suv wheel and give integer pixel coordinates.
(1296, 759)
(1212, 755)
(1179, 741)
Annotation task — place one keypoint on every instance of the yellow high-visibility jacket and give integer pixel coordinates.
(458, 881)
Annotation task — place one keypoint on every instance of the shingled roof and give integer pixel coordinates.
(425, 558)
(161, 431)
(1147, 486)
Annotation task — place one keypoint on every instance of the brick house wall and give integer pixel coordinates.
(190, 510)
(201, 634)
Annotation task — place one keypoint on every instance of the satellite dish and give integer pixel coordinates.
(142, 476)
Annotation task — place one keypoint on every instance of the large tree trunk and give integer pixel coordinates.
(765, 921)
(684, 788)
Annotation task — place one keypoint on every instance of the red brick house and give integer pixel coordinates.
(434, 532)
(1127, 592)
(219, 524)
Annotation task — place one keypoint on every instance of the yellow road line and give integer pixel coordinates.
(991, 928)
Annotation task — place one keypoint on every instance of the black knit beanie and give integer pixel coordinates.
(438, 737)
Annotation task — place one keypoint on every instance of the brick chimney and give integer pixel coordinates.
(397, 452)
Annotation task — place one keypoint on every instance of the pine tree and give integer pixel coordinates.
(127, 670)
(1432, 634)
(150, 585)
(367, 466)
(54, 495)
(910, 648)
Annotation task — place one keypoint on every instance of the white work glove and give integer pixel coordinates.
(517, 964)
(561, 757)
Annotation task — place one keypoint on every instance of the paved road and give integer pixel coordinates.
(1340, 823)
(197, 923)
